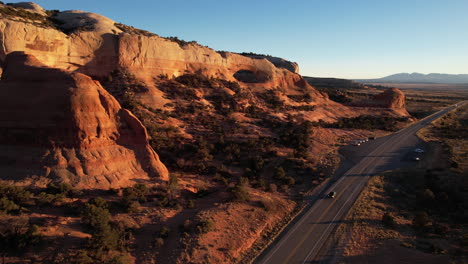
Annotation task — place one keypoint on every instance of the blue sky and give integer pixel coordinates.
(328, 38)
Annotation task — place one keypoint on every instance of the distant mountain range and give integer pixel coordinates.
(419, 78)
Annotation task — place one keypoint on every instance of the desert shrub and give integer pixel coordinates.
(304, 107)
(137, 192)
(132, 196)
(284, 188)
(7, 206)
(205, 226)
(272, 99)
(388, 220)
(81, 257)
(421, 221)
(19, 12)
(368, 122)
(187, 225)
(261, 183)
(158, 242)
(240, 191)
(99, 202)
(131, 207)
(95, 217)
(181, 42)
(195, 80)
(272, 188)
(16, 194)
(164, 232)
(61, 188)
(268, 204)
(50, 199)
(132, 30)
(105, 235)
(17, 235)
(173, 185)
(121, 259)
(249, 54)
(296, 136)
(191, 204)
(279, 173)
(301, 98)
(257, 163)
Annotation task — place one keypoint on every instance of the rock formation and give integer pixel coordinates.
(97, 46)
(278, 62)
(391, 98)
(57, 126)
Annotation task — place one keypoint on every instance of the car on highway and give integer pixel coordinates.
(418, 150)
(356, 143)
(331, 194)
(417, 154)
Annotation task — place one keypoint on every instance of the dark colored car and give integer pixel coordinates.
(331, 194)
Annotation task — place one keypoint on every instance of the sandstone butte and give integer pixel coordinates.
(392, 98)
(63, 126)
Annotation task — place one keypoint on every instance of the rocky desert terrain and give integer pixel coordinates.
(121, 146)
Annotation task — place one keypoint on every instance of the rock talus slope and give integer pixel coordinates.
(57, 126)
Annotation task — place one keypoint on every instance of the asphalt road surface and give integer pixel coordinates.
(301, 241)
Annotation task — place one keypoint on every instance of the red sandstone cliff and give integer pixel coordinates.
(57, 126)
(97, 47)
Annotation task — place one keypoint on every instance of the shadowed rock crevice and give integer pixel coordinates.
(247, 76)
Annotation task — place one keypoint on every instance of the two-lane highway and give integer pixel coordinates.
(301, 242)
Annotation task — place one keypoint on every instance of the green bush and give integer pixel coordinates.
(205, 226)
(7, 206)
(164, 232)
(191, 204)
(240, 191)
(136, 193)
(158, 242)
(99, 202)
(17, 235)
(279, 173)
(268, 204)
(95, 217)
(17, 194)
(106, 235)
(50, 199)
(173, 185)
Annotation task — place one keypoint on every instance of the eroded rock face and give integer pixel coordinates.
(278, 62)
(57, 126)
(391, 98)
(102, 48)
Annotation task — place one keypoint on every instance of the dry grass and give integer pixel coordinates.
(457, 143)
